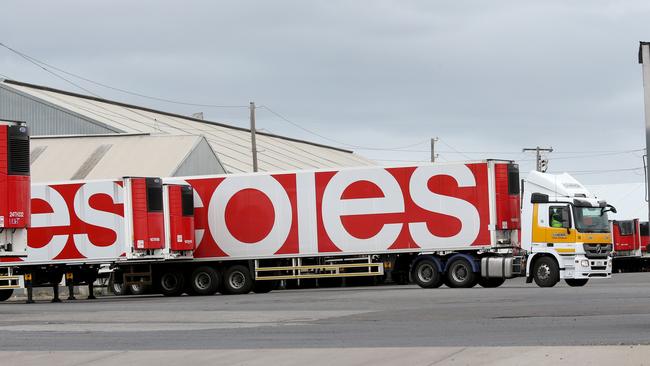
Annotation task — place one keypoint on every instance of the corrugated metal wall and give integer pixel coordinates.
(44, 119)
(201, 161)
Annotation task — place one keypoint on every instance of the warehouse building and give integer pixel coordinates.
(99, 138)
(118, 155)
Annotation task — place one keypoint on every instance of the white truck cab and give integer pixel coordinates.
(565, 231)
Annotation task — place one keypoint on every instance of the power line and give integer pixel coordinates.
(598, 171)
(587, 154)
(403, 160)
(451, 147)
(37, 64)
(285, 119)
(41, 63)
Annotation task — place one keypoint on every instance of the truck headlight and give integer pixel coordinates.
(584, 263)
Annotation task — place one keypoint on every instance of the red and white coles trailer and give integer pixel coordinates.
(456, 223)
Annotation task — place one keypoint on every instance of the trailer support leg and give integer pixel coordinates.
(91, 291)
(70, 282)
(55, 289)
(30, 289)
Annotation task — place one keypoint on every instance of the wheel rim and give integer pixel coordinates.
(459, 273)
(202, 281)
(543, 272)
(237, 280)
(169, 282)
(425, 272)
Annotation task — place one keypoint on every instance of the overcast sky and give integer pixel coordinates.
(487, 77)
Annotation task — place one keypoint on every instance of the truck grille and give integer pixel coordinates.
(597, 250)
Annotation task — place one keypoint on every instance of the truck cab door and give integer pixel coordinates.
(555, 221)
(553, 224)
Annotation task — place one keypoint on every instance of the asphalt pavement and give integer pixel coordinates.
(383, 318)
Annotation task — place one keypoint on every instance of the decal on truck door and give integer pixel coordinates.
(361, 210)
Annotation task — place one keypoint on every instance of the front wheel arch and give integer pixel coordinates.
(530, 262)
(422, 257)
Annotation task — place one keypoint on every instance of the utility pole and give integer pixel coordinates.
(253, 143)
(644, 60)
(433, 149)
(539, 166)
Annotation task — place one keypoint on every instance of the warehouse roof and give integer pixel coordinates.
(232, 144)
(58, 158)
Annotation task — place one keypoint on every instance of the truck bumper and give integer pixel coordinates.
(582, 267)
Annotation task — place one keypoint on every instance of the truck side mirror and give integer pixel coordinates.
(608, 208)
(539, 198)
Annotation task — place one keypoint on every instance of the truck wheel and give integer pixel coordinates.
(5, 294)
(576, 282)
(546, 272)
(119, 289)
(138, 289)
(204, 281)
(263, 287)
(171, 283)
(237, 280)
(491, 282)
(426, 275)
(460, 274)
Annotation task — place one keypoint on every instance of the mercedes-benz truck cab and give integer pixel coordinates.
(567, 233)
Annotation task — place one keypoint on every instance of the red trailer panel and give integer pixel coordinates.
(14, 176)
(179, 217)
(626, 237)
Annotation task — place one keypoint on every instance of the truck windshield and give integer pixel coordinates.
(591, 220)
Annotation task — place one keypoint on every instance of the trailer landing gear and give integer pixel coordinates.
(30, 288)
(70, 283)
(55, 289)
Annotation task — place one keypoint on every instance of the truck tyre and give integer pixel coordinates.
(5, 294)
(263, 287)
(546, 272)
(118, 289)
(237, 280)
(460, 274)
(491, 282)
(204, 281)
(171, 283)
(138, 289)
(426, 275)
(573, 282)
